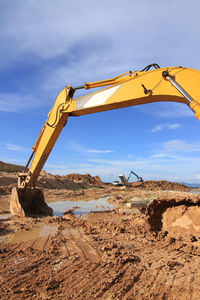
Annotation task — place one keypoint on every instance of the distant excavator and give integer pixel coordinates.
(126, 181)
(176, 84)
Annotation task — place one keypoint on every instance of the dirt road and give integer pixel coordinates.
(106, 255)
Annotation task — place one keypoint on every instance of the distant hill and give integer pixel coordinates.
(10, 168)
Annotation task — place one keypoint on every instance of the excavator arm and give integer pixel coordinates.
(138, 177)
(176, 84)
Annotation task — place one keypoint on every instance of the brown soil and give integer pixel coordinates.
(86, 179)
(107, 255)
(10, 168)
(49, 181)
(147, 247)
(160, 185)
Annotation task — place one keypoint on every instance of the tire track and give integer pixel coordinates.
(76, 244)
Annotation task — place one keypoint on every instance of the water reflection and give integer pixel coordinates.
(195, 192)
(81, 207)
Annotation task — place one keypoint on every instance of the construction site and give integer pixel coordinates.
(99, 150)
(76, 237)
(102, 241)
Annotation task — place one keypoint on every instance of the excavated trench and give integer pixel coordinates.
(176, 216)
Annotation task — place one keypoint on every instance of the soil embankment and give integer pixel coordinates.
(48, 181)
(160, 185)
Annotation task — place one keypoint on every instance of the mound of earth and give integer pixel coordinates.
(49, 181)
(5, 190)
(46, 180)
(160, 185)
(10, 168)
(85, 179)
(178, 216)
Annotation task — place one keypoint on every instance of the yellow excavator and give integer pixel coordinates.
(152, 84)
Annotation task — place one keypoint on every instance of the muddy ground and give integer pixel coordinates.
(146, 247)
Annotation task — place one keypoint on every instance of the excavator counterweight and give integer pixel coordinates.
(176, 84)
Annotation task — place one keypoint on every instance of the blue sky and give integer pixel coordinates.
(48, 44)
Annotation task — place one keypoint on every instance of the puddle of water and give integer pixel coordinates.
(27, 235)
(83, 207)
(195, 192)
(23, 236)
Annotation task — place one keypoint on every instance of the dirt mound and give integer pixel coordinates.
(49, 181)
(10, 168)
(160, 185)
(46, 180)
(182, 219)
(178, 216)
(5, 190)
(7, 182)
(85, 179)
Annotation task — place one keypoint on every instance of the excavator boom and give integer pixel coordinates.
(138, 177)
(176, 84)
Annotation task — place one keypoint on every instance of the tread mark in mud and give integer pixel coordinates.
(41, 244)
(78, 244)
(66, 250)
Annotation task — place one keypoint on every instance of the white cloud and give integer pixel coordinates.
(167, 110)
(173, 126)
(179, 145)
(76, 147)
(174, 110)
(69, 42)
(17, 103)
(160, 127)
(13, 147)
(82, 149)
(65, 25)
(99, 151)
(157, 128)
(160, 155)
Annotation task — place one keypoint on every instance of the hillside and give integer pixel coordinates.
(8, 179)
(10, 168)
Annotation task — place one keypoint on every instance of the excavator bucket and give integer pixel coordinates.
(29, 202)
